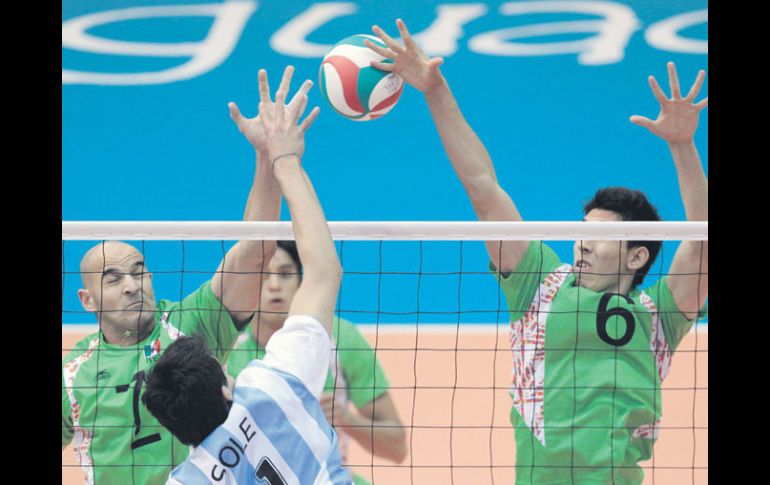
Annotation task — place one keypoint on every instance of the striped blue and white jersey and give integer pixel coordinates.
(276, 432)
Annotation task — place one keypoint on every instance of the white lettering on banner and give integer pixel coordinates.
(606, 47)
(229, 19)
(440, 38)
(664, 35)
(290, 39)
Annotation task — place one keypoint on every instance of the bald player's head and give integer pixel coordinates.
(93, 261)
(117, 287)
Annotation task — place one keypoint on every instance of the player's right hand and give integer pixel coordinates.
(409, 61)
(252, 128)
(283, 134)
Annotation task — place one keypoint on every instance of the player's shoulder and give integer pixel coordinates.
(201, 292)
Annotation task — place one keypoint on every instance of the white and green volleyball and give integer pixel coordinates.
(354, 88)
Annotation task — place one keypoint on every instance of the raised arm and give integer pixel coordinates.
(468, 156)
(238, 280)
(317, 294)
(676, 124)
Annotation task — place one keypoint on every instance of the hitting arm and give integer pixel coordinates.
(676, 124)
(466, 152)
(317, 294)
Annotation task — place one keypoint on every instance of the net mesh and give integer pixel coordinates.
(459, 374)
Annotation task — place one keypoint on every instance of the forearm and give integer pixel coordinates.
(263, 203)
(311, 232)
(466, 152)
(384, 438)
(239, 278)
(693, 184)
(688, 275)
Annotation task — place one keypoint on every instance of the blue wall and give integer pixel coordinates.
(556, 126)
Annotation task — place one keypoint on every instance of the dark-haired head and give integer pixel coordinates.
(629, 205)
(185, 391)
(291, 248)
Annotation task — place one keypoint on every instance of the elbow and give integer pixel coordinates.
(334, 271)
(478, 187)
(398, 448)
(267, 252)
(400, 452)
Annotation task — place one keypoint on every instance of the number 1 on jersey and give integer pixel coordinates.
(139, 381)
(266, 472)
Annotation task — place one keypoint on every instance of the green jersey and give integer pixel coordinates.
(354, 374)
(587, 372)
(116, 439)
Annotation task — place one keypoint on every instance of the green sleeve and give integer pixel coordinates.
(244, 351)
(67, 430)
(365, 378)
(675, 323)
(203, 314)
(520, 286)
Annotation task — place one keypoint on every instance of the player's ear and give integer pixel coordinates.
(87, 300)
(637, 257)
(227, 389)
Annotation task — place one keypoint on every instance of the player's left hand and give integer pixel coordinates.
(336, 413)
(678, 117)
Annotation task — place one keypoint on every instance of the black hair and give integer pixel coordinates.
(291, 247)
(184, 390)
(630, 205)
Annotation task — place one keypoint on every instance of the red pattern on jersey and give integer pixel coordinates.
(527, 338)
(81, 439)
(662, 355)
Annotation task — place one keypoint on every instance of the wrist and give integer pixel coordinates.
(680, 146)
(284, 158)
(682, 143)
(263, 157)
(435, 88)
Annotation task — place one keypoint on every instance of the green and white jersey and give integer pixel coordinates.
(354, 374)
(116, 439)
(587, 373)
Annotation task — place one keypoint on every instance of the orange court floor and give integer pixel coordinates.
(450, 390)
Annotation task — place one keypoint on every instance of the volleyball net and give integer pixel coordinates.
(489, 376)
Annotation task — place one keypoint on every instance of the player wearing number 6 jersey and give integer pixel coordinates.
(271, 427)
(589, 348)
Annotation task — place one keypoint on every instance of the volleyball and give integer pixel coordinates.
(355, 89)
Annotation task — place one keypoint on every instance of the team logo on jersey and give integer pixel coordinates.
(102, 375)
(152, 350)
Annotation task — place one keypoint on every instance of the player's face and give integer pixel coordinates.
(601, 265)
(280, 286)
(120, 288)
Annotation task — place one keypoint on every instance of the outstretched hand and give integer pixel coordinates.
(678, 117)
(252, 128)
(282, 134)
(409, 61)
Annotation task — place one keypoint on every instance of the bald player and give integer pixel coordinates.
(115, 438)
